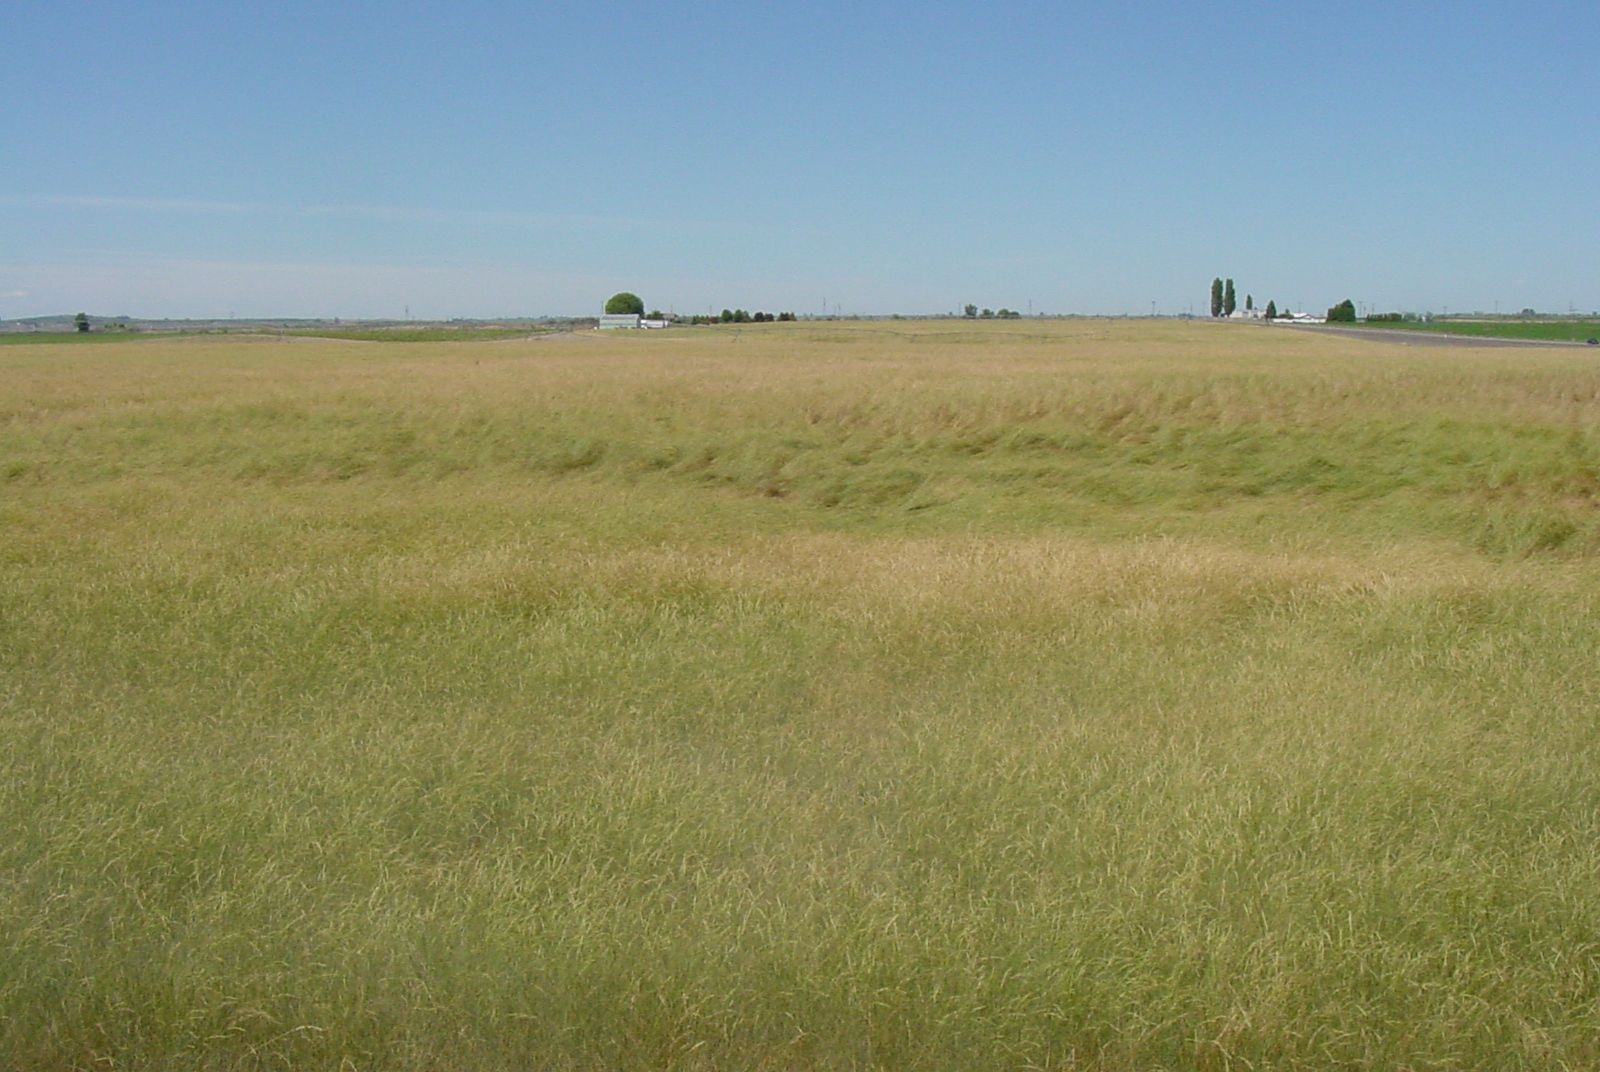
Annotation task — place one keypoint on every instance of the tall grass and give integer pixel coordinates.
(799, 698)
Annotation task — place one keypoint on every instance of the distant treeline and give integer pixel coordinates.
(739, 316)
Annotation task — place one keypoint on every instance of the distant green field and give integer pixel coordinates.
(430, 334)
(1097, 696)
(1555, 330)
(68, 338)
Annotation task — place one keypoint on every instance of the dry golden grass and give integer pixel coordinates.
(869, 695)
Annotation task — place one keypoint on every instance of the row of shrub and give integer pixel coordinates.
(739, 316)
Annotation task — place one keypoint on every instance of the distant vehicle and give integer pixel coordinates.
(1594, 342)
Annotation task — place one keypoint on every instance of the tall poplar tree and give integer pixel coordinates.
(1216, 297)
(1228, 303)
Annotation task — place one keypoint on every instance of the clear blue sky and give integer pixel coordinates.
(482, 158)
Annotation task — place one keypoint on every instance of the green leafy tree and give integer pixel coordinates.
(1272, 310)
(624, 304)
(1249, 302)
(1228, 303)
(970, 312)
(1216, 297)
(81, 321)
(1343, 313)
(727, 316)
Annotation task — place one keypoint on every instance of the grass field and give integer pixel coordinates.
(1547, 330)
(1082, 695)
(363, 334)
(421, 334)
(69, 338)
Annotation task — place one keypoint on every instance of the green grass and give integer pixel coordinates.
(1548, 330)
(400, 334)
(69, 338)
(1103, 696)
(428, 334)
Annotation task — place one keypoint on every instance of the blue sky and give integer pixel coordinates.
(479, 158)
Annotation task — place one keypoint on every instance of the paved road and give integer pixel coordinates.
(1423, 338)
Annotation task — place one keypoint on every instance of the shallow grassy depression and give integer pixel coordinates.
(1070, 695)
